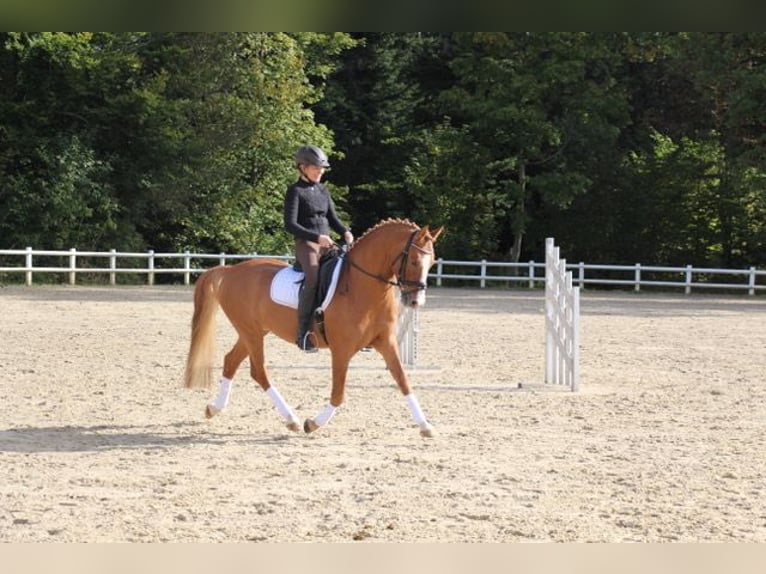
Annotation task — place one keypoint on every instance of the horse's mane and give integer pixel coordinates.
(384, 223)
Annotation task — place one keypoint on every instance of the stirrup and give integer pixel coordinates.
(305, 343)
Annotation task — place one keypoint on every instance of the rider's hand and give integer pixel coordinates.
(326, 241)
(348, 237)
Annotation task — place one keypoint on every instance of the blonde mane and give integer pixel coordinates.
(385, 223)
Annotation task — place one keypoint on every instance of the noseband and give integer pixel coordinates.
(404, 256)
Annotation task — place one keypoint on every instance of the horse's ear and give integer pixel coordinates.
(425, 233)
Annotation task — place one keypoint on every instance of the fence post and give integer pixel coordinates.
(150, 264)
(483, 275)
(439, 267)
(28, 261)
(637, 278)
(688, 288)
(187, 267)
(112, 265)
(72, 265)
(531, 274)
(751, 282)
(221, 259)
(581, 275)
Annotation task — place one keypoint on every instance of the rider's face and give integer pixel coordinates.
(313, 172)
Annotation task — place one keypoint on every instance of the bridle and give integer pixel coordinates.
(404, 255)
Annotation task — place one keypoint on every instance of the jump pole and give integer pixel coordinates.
(562, 321)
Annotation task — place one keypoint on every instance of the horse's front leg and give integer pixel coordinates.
(340, 363)
(389, 349)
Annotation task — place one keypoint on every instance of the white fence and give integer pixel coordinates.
(531, 274)
(150, 267)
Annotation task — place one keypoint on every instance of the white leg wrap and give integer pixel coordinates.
(324, 417)
(282, 407)
(224, 392)
(417, 413)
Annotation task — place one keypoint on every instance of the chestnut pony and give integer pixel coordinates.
(390, 260)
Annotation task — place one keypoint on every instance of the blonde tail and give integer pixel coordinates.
(199, 363)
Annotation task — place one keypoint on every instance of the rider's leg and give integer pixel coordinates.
(308, 254)
(305, 310)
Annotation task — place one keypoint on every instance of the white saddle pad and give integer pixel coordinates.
(287, 283)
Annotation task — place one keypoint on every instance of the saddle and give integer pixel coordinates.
(287, 283)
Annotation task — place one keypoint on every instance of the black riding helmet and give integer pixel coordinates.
(311, 155)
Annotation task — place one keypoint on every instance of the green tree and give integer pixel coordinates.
(374, 104)
(54, 187)
(211, 126)
(689, 187)
(168, 141)
(538, 116)
(728, 74)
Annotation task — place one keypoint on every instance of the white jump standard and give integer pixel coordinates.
(562, 321)
(407, 335)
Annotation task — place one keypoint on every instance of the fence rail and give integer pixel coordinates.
(531, 274)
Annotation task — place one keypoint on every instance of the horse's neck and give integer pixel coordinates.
(377, 253)
(372, 262)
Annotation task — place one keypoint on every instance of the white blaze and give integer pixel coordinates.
(421, 296)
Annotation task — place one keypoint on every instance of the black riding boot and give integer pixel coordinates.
(305, 310)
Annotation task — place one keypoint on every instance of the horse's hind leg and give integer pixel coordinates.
(340, 361)
(261, 376)
(231, 363)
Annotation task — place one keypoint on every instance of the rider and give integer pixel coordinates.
(309, 213)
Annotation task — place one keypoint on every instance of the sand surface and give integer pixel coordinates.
(664, 442)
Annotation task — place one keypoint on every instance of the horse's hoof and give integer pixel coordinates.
(310, 426)
(427, 431)
(211, 411)
(293, 426)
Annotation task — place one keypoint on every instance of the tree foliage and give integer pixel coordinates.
(166, 141)
(624, 146)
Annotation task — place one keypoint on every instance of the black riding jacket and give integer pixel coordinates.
(310, 211)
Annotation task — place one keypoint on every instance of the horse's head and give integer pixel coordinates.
(416, 259)
(411, 260)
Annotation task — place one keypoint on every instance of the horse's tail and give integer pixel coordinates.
(199, 363)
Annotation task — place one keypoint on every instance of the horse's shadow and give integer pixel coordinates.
(108, 437)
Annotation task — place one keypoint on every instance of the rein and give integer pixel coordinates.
(404, 256)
